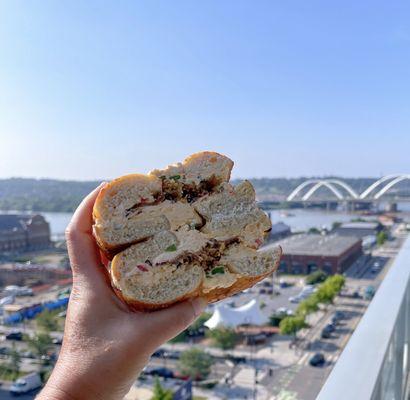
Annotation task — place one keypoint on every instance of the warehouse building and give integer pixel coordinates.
(23, 232)
(303, 254)
(359, 229)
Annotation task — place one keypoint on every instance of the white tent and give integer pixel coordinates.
(224, 315)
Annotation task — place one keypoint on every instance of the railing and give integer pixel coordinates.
(375, 362)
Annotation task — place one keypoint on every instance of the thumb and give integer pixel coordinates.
(83, 252)
(166, 324)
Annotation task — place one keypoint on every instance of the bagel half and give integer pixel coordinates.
(182, 232)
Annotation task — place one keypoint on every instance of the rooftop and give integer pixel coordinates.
(279, 228)
(360, 225)
(317, 245)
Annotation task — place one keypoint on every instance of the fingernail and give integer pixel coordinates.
(199, 305)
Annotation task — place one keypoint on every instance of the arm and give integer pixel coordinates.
(105, 345)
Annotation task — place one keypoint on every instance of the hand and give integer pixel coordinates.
(105, 345)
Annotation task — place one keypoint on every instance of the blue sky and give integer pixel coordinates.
(97, 89)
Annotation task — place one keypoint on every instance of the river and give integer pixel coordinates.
(297, 219)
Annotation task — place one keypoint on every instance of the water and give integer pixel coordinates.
(58, 222)
(302, 220)
(297, 219)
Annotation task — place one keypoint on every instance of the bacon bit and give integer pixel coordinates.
(142, 267)
(143, 200)
(258, 242)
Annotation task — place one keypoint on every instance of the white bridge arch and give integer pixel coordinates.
(318, 183)
(394, 179)
(335, 184)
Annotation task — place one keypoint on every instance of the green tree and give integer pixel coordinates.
(195, 363)
(316, 277)
(291, 325)
(199, 322)
(335, 225)
(329, 289)
(275, 319)
(40, 343)
(225, 338)
(314, 231)
(381, 238)
(160, 393)
(308, 306)
(47, 321)
(15, 361)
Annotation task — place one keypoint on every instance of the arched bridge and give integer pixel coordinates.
(343, 191)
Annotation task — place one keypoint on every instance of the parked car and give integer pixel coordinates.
(14, 336)
(173, 355)
(159, 353)
(162, 372)
(57, 340)
(28, 354)
(331, 327)
(317, 360)
(369, 292)
(4, 351)
(26, 384)
(283, 284)
(235, 359)
(183, 377)
(326, 333)
(339, 315)
(294, 299)
(284, 311)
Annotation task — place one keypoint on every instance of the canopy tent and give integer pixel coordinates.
(249, 314)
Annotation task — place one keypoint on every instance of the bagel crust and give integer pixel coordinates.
(182, 232)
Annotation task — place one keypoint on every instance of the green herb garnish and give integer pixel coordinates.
(218, 270)
(173, 247)
(175, 177)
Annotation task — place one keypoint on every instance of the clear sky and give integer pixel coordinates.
(96, 89)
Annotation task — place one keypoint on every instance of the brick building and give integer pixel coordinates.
(303, 254)
(23, 232)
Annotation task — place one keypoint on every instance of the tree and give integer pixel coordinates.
(160, 393)
(195, 363)
(310, 305)
(291, 325)
(329, 289)
(225, 338)
(199, 322)
(15, 361)
(314, 231)
(193, 329)
(275, 319)
(316, 277)
(335, 225)
(47, 321)
(40, 343)
(381, 238)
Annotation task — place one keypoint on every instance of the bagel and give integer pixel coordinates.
(182, 232)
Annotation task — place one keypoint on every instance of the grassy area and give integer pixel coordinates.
(7, 374)
(199, 398)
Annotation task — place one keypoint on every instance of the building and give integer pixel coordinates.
(303, 254)
(23, 232)
(359, 229)
(22, 274)
(278, 231)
